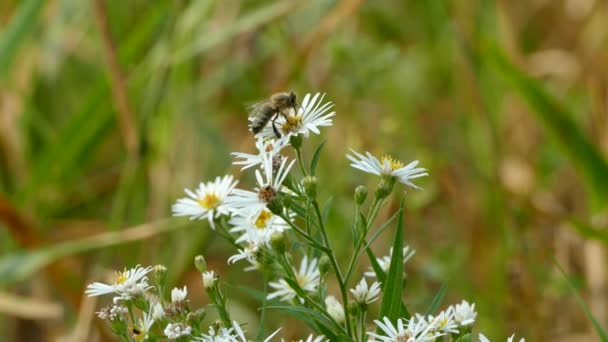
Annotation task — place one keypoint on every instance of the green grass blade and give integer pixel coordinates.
(596, 325)
(437, 300)
(393, 287)
(11, 38)
(315, 158)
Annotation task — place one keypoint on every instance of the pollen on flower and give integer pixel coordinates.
(292, 123)
(121, 277)
(210, 201)
(392, 162)
(267, 194)
(262, 221)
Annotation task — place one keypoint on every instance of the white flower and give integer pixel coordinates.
(128, 284)
(464, 313)
(249, 253)
(269, 182)
(405, 331)
(178, 295)
(143, 327)
(232, 334)
(334, 309)
(206, 202)
(264, 147)
(312, 338)
(158, 311)
(209, 279)
(176, 330)
(388, 167)
(364, 294)
(311, 115)
(385, 261)
(444, 322)
(257, 226)
(307, 278)
(482, 338)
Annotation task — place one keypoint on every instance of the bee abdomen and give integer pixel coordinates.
(263, 115)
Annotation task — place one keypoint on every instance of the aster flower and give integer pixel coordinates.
(222, 334)
(312, 338)
(257, 226)
(176, 330)
(269, 182)
(388, 167)
(178, 295)
(405, 331)
(443, 322)
(128, 284)
(250, 253)
(364, 294)
(311, 115)
(334, 309)
(158, 311)
(264, 146)
(307, 278)
(385, 261)
(206, 202)
(209, 279)
(482, 338)
(464, 313)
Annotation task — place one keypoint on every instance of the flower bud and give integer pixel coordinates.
(275, 206)
(277, 241)
(295, 141)
(209, 280)
(360, 194)
(199, 262)
(310, 186)
(324, 264)
(160, 274)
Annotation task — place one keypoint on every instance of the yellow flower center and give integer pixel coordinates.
(262, 220)
(121, 277)
(292, 123)
(269, 148)
(392, 162)
(210, 201)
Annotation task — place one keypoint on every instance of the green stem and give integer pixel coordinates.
(301, 162)
(375, 207)
(220, 303)
(334, 264)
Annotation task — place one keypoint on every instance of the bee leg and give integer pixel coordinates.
(274, 126)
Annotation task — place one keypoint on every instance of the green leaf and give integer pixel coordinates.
(12, 36)
(584, 155)
(379, 231)
(329, 328)
(437, 300)
(464, 338)
(315, 158)
(596, 325)
(589, 232)
(326, 208)
(393, 287)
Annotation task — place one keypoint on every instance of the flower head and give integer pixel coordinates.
(387, 167)
(209, 279)
(265, 146)
(257, 226)
(307, 278)
(334, 308)
(178, 295)
(143, 327)
(311, 115)
(364, 294)
(127, 284)
(206, 202)
(176, 330)
(464, 313)
(412, 330)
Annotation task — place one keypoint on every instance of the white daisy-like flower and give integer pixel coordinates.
(364, 294)
(264, 146)
(231, 334)
(307, 278)
(257, 226)
(385, 261)
(464, 313)
(387, 166)
(405, 331)
(269, 182)
(443, 322)
(206, 202)
(128, 284)
(143, 327)
(250, 253)
(176, 330)
(311, 115)
(209, 279)
(334, 309)
(178, 295)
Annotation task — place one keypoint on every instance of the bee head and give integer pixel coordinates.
(292, 100)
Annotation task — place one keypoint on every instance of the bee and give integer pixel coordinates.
(270, 109)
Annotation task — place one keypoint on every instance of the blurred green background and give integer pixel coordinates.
(108, 109)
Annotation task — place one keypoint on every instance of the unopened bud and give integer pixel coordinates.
(160, 273)
(360, 194)
(277, 241)
(275, 206)
(200, 263)
(310, 186)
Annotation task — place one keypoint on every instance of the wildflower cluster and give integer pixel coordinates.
(278, 229)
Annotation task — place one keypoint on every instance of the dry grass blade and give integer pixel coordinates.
(29, 308)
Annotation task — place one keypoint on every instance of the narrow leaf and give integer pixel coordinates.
(315, 158)
(393, 287)
(437, 300)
